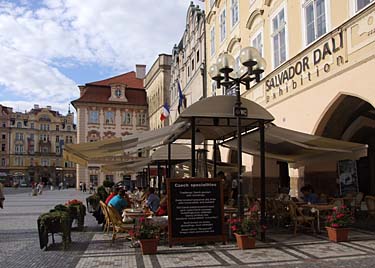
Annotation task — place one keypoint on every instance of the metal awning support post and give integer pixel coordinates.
(169, 160)
(159, 178)
(215, 159)
(148, 175)
(193, 174)
(262, 181)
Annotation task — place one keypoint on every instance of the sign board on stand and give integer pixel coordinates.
(195, 210)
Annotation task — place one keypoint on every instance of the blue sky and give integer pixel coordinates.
(49, 47)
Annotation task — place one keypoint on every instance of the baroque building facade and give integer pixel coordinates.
(34, 143)
(5, 140)
(188, 63)
(114, 107)
(318, 79)
(156, 83)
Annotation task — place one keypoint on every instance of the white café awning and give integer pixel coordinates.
(297, 147)
(97, 152)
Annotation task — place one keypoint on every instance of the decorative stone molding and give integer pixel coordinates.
(257, 12)
(232, 43)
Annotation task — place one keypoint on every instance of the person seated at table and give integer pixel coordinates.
(113, 193)
(153, 201)
(163, 207)
(119, 201)
(308, 195)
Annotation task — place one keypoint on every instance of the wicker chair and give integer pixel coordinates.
(298, 218)
(370, 203)
(107, 223)
(118, 225)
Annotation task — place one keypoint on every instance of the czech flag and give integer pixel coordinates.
(165, 112)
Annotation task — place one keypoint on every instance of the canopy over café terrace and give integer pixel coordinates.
(213, 119)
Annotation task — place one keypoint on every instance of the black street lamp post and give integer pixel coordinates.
(253, 67)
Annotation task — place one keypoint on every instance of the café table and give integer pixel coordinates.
(318, 208)
(134, 214)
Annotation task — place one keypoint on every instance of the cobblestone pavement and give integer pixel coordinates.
(19, 245)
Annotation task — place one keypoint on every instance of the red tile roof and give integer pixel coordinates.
(101, 94)
(100, 91)
(128, 78)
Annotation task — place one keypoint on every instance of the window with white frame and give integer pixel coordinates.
(212, 40)
(109, 118)
(360, 4)
(94, 117)
(234, 12)
(257, 42)
(19, 161)
(127, 118)
(45, 162)
(223, 25)
(279, 38)
(315, 19)
(213, 88)
(142, 119)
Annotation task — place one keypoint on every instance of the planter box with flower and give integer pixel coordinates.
(77, 212)
(245, 231)
(338, 222)
(148, 235)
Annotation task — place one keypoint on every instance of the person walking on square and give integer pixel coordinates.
(84, 187)
(2, 198)
(80, 186)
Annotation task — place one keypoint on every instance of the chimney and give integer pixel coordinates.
(140, 71)
(36, 106)
(49, 107)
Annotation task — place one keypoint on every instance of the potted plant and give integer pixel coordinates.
(337, 224)
(148, 235)
(245, 231)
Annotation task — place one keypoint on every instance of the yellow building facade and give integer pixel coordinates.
(156, 83)
(318, 80)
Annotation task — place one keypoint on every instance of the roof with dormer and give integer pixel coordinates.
(100, 91)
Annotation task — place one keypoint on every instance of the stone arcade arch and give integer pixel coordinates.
(352, 119)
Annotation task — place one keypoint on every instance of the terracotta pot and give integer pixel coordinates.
(149, 246)
(245, 241)
(338, 234)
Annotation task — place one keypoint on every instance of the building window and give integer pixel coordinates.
(45, 162)
(118, 93)
(57, 149)
(360, 4)
(3, 147)
(3, 136)
(198, 56)
(69, 128)
(3, 162)
(257, 42)
(19, 136)
(57, 128)
(315, 19)
(222, 26)
(57, 139)
(213, 88)
(279, 38)
(94, 117)
(234, 11)
(109, 177)
(212, 40)
(109, 118)
(127, 118)
(32, 125)
(19, 125)
(19, 161)
(141, 119)
(192, 65)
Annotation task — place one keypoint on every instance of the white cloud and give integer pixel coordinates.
(36, 41)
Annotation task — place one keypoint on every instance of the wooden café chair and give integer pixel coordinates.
(118, 225)
(107, 223)
(299, 218)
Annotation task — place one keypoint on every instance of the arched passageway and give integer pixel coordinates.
(352, 119)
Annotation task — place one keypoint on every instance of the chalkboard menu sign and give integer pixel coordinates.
(195, 210)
